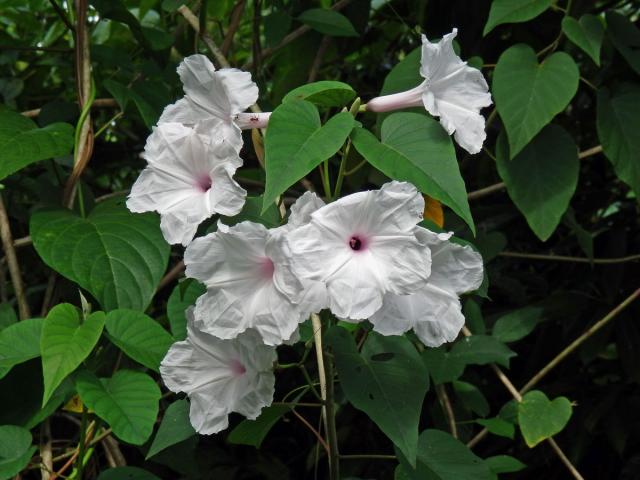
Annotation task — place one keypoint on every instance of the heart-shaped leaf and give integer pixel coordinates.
(542, 178)
(139, 336)
(175, 427)
(517, 324)
(481, 350)
(387, 381)
(586, 33)
(23, 143)
(528, 94)
(296, 143)
(118, 256)
(328, 22)
(19, 342)
(15, 450)
(326, 93)
(253, 432)
(514, 11)
(539, 418)
(618, 127)
(182, 297)
(416, 149)
(65, 342)
(626, 38)
(128, 402)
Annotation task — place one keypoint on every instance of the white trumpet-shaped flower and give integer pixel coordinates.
(220, 376)
(215, 94)
(249, 283)
(361, 247)
(452, 90)
(434, 312)
(189, 177)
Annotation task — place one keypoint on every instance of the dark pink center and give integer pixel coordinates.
(204, 182)
(237, 368)
(357, 243)
(266, 268)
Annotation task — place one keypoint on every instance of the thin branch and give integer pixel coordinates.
(313, 430)
(368, 456)
(297, 33)
(97, 103)
(36, 49)
(445, 403)
(46, 457)
(12, 262)
(518, 397)
(63, 16)
(590, 151)
(171, 275)
(317, 61)
(234, 24)
(562, 258)
(208, 41)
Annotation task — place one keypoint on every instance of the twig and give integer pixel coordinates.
(236, 16)
(97, 103)
(313, 430)
(110, 445)
(12, 262)
(445, 403)
(518, 397)
(332, 435)
(36, 49)
(590, 152)
(46, 457)
(579, 341)
(171, 275)
(562, 258)
(368, 456)
(63, 16)
(208, 41)
(297, 33)
(317, 61)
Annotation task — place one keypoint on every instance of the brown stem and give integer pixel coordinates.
(97, 103)
(368, 456)
(317, 61)
(562, 258)
(46, 456)
(12, 262)
(234, 24)
(171, 275)
(313, 430)
(445, 403)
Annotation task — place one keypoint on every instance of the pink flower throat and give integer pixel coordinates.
(204, 182)
(266, 268)
(237, 368)
(357, 243)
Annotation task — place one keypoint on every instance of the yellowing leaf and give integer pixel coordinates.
(73, 405)
(258, 145)
(433, 211)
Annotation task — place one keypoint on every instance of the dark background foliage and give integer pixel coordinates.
(136, 65)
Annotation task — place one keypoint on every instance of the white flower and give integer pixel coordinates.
(220, 376)
(188, 179)
(214, 94)
(249, 283)
(451, 90)
(363, 246)
(434, 312)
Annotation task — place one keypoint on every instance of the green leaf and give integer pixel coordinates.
(504, 464)
(15, 450)
(23, 143)
(587, 33)
(481, 350)
(328, 22)
(7, 316)
(252, 211)
(253, 432)
(19, 342)
(146, 96)
(65, 342)
(326, 93)
(471, 397)
(517, 324)
(618, 126)
(539, 418)
(625, 36)
(128, 402)
(528, 94)
(416, 149)
(404, 75)
(175, 427)
(498, 426)
(390, 388)
(140, 337)
(514, 11)
(442, 457)
(118, 256)
(296, 143)
(542, 178)
(127, 473)
(442, 365)
(180, 299)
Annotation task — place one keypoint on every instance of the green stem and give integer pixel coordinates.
(343, 167)
(81, 443)
(326, 183)
(83, 117)
(332, 437)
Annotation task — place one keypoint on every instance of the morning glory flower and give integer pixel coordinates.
(249, 283)
(220, 376)
(452, 90)
(361, 247)
(434, 312)
(189, 177)
(215, 94)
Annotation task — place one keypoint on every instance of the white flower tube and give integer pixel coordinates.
(213, 94)
(220, 376)
(361, 247)
(189, 177)
(434, 312)
(249, 283)
(452, 90)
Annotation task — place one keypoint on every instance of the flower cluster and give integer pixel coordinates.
(363, 256)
